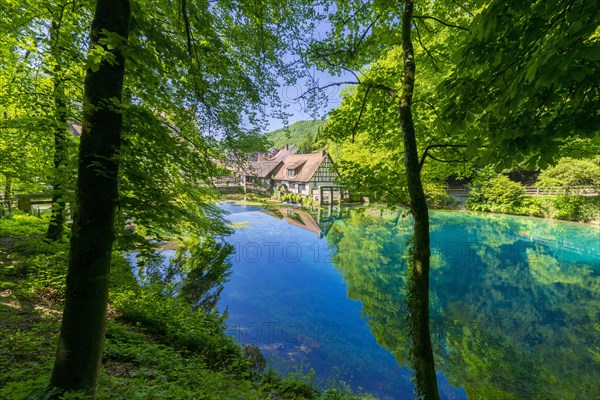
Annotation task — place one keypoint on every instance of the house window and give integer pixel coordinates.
(291, 172)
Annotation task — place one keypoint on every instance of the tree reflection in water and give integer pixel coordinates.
(195, 271)
(513, 300)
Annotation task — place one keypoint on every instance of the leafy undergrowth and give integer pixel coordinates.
(156, 347)
(498, 194)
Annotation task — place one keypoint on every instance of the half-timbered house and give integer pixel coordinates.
(303, 174)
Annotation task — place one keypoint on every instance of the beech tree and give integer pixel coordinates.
(42, 78)
(81, 338)
(65, 63)
(196, 85)
(373, 41)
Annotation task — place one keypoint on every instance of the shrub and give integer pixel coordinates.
(535, 207)
(570, 172)
(307, 201)
(20, 224)
(571, 208)
(498, 194)
(566, 207)
(437, 196)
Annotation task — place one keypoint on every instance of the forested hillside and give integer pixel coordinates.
(301, 133)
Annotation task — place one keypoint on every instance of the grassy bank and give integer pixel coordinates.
(157, 346)
(249, 199)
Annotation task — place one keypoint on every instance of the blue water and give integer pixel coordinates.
(514, 301)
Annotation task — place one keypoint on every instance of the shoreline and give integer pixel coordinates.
(381, 206)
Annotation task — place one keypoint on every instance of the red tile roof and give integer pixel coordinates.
(304, 164)
(284, 153)
(260, 169)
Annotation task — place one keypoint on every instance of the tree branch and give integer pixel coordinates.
(432, 146)
(188, 29)
(446, 161)
(463, 8)
(362, 109)
(442, 22)
(364, 35)
(433, 59)
(313, 89)
(345, 22)
(332, 65)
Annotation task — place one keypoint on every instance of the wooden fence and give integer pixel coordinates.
(553, 191)
(31, 203)
(463, 191)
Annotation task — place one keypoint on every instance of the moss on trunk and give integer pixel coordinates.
(422, 353)
(82, 332)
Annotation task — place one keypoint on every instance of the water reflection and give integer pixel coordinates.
(514, 300)
(195, 270)
(285, 297)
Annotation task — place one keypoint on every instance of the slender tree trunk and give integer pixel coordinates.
(8, 191)
(422, 352)
(81, 338)
(57, 220)
(8, 187)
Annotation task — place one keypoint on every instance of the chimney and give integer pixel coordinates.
(286, 147)
(323, 153)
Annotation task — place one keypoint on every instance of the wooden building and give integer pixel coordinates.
(303, 174)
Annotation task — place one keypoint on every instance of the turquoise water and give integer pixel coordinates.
(514, 301)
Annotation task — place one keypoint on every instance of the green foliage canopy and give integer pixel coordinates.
(527, 79)
(364, 131)
(199, 78)
(570, 172)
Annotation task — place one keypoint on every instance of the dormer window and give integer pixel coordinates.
(294, 168)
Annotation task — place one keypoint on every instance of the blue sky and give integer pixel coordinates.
(298, 108)
(288, 94)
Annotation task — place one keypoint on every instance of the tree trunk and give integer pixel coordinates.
(422, 353)
(8, 187)
(81, 338)
(8, 192)
(57, 220)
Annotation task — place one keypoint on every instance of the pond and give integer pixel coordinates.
(515, 302)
